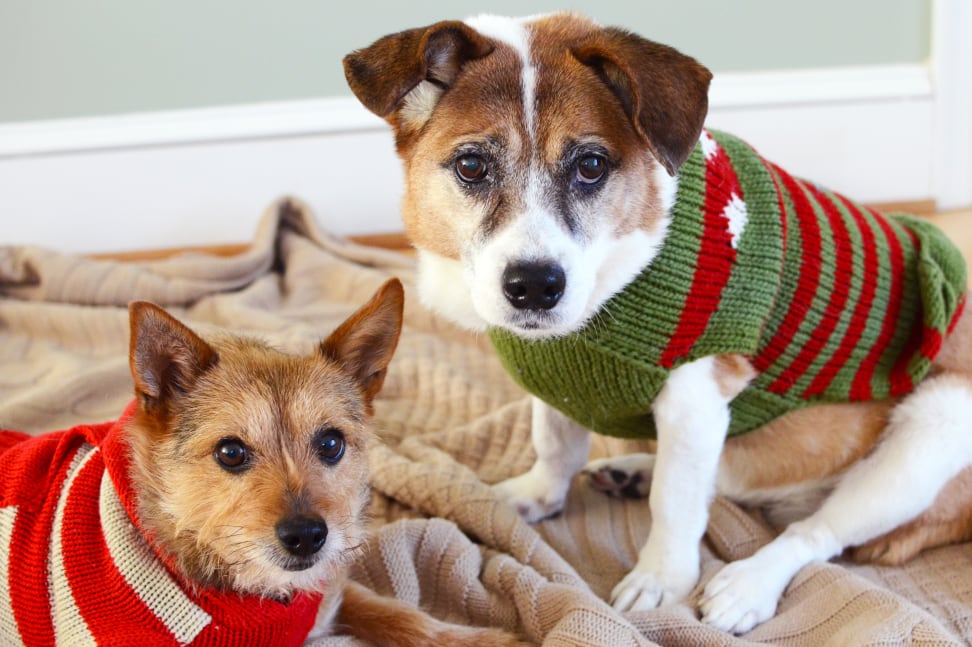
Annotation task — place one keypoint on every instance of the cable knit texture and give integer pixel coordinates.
(829, 300)
(449, 421)
(77, 570)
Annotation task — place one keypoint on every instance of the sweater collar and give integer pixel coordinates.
(116, 452)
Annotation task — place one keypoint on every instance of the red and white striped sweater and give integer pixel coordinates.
(75, 569)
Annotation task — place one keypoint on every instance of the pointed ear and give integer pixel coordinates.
(664, 92)
(165, 356)
(365, 342)
(384, 73)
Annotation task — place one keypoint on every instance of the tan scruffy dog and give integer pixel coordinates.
(222, 508)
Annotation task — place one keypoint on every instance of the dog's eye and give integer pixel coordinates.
(471, 168)
(231, 454)
(329, 445)
(591, 168)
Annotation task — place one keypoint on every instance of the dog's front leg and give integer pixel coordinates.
(562, 448)
(692, 416)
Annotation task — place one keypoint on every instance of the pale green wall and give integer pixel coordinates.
(69, 58)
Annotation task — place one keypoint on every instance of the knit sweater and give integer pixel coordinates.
(76, 569)
(829, 300)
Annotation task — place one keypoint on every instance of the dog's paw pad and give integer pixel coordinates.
(618, 483)
(623, 476)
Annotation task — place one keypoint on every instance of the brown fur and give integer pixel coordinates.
(733, 373)
(386, 621)
(819, 442)
(219, 525)
(805, 445)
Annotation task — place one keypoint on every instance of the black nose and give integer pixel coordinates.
(302, 536)
(534, 286)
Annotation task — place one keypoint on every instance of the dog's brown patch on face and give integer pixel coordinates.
(481, 114)
(574, 105)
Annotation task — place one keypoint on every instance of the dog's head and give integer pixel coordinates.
(250, 464)
(539, 158)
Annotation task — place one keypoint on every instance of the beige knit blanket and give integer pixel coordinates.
(449, 422)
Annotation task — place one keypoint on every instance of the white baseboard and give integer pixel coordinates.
(203, 176)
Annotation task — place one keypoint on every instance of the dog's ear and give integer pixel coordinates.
(365, 342)
(165, 356)
(664, 92)
(384, 73)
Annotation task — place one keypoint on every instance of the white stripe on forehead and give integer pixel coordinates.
(513, 32)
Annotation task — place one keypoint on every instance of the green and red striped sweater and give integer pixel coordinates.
(829, 300)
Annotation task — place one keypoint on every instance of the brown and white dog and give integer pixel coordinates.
(553, 137)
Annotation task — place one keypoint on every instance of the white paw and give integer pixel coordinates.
(740, 597)
(534, 495)
(627, 476)
(643, 589)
